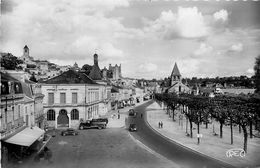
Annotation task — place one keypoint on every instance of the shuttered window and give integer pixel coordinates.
(74, 98)
(50, 98)
(62, 98)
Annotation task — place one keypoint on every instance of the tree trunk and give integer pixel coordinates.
(245, 137)
(251, 129)
(221, 129)
(173, 109)
(231, 129)
(186, 125)
(198, 125)
(239, 128)
(206, 124)
(190, 128)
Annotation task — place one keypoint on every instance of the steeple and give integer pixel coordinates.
(176, 75)
(26, 51)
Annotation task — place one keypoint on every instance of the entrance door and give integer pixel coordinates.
(63, 119)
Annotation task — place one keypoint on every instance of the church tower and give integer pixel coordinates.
(175, 76)
(26, 51)
(95, 72)
(95, 59)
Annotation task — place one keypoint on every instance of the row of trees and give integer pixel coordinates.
(237, 110)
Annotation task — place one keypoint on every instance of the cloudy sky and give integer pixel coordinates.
(206, 38)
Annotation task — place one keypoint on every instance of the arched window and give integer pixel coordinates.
(74, 114)
(51, 115)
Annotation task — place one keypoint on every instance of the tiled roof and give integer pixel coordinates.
(95, 73)
(7, 77)
(175, 71)
(70, 77)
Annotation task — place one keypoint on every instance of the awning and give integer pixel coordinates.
(26, 137)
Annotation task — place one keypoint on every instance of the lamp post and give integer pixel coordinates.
(211, 96)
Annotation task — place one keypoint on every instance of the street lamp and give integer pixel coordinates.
(211, 96)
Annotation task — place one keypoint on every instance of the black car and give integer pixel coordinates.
(69, 131)
(132, 113)
(132, 127)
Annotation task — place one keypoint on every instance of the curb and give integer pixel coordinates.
(45, 143)
(142, 145)
(181, 144)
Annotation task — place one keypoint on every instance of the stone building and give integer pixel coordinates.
(176, 84)
(73, 97)
(17, 121)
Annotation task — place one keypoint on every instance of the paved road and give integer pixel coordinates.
(93, 148)
(173, 151)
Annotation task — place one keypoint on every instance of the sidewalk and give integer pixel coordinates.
(210, 145)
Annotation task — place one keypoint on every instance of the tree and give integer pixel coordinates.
(257, 74)
(87, 68)
(171, 100)
(9, 62)
(218, 113)
(242, 117)
(186, 101)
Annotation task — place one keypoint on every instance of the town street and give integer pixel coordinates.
(93, 148)
(173, 151)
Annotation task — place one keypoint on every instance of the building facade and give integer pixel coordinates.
(176, 82)
(17, 118)
(71, 98)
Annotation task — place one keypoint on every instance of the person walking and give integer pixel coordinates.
(141, 115)
(161, 124)
(118, 115)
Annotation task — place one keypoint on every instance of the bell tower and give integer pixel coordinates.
(26, 51)
(176, 75)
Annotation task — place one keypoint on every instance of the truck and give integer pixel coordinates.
(100, 123)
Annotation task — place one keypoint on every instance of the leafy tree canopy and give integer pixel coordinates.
(9, 62)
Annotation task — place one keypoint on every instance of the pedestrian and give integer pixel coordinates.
(161, 124)
(141, 115)
(118, 116)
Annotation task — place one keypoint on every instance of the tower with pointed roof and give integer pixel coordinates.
(26, 51)
(176, 75)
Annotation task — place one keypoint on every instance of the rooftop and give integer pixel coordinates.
(70, 77)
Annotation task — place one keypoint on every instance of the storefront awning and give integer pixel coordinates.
(26, 137)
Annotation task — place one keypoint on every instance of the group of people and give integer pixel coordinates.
(160, 124)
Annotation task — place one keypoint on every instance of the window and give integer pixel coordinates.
(51, 115)
(17, 88)
(74, 98)
(74, 114)
(50, 98)
(62, 98)
(4, 88)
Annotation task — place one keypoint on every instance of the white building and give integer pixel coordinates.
(73, 97)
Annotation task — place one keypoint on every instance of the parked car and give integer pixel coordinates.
(132, 127)
(94, 123)
(69, 131)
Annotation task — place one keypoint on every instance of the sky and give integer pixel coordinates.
(205, 38)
